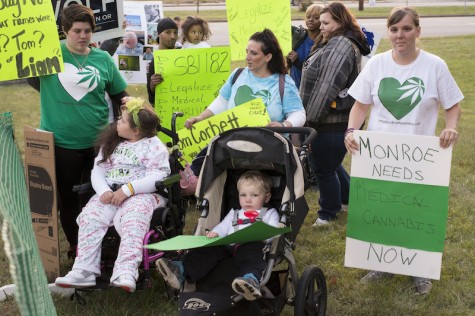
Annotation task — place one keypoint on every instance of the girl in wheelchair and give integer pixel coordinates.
(131, 158)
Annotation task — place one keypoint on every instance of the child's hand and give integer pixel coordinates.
(126, 99)
(212, 234)
(106, 197)
(119, 197)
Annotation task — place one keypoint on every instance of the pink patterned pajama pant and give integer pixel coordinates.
(131, 220)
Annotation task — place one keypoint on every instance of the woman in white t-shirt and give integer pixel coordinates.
(405, 87)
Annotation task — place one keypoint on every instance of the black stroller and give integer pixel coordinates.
(167, 222)
(229, 155)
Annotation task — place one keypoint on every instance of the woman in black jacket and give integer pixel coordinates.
(327, 74)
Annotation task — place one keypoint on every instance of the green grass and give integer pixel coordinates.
(296, 14)
(454, 294)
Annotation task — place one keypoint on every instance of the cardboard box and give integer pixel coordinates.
(41, 184)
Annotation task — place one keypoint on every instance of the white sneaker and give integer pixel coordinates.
(126, 282)
(344, 208)
(320, 222)
(77, 279)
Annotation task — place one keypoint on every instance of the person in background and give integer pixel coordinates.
(167, 31)
(302, 42)
(195, 33)
(408, 64)
(254, 189)
(177, 21)
(74, 108)
(131, 158)
(327, 74)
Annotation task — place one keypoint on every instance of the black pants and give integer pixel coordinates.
(248, 258)
(73, 166)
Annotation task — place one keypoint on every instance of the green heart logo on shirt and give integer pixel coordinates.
(400, 99)
(245, 94)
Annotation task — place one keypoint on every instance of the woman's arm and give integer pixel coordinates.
(449, 134)
(34, 82)
(333, 68)
(295, 119)
(117, 103)
(357, 116)
(219, 105)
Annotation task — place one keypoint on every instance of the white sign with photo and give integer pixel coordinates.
(140, 40)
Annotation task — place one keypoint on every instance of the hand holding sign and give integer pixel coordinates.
(252, 113)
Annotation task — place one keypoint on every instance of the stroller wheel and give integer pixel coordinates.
(311, 296)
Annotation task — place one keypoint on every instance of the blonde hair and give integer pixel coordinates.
(258, 177)
(313, 9)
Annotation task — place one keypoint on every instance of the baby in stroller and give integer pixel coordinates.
(229, 156)
(254, 190)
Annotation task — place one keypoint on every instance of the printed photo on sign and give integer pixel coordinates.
(139, 39)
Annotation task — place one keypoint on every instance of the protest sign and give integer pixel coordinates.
(134, 53)
(255, 232)
(29, 44)
(191, 81)
(108, 14)
(251, 113)
(398, 204)
(245, 17)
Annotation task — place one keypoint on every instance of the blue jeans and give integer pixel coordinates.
(328, 152)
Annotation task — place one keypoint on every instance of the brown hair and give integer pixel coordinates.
(398, 13)
(77, 13)
(258, 177)
(345, 18)
(109, 139)
(270, 45)
(191, 21)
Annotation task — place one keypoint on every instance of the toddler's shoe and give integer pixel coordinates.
(126, 282)
(248, 286)
(76, 278)
(375, 276)
(172, 271)
(423, 285)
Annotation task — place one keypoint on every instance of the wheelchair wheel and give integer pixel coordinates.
(311, 296)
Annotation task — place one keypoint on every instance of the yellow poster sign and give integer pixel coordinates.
(251, 113)
(29, 43)
(191, 81)
(245, 17)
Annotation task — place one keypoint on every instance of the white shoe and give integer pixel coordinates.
(77, 279)
(126, 282)
(344, 208)
(320, 222)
